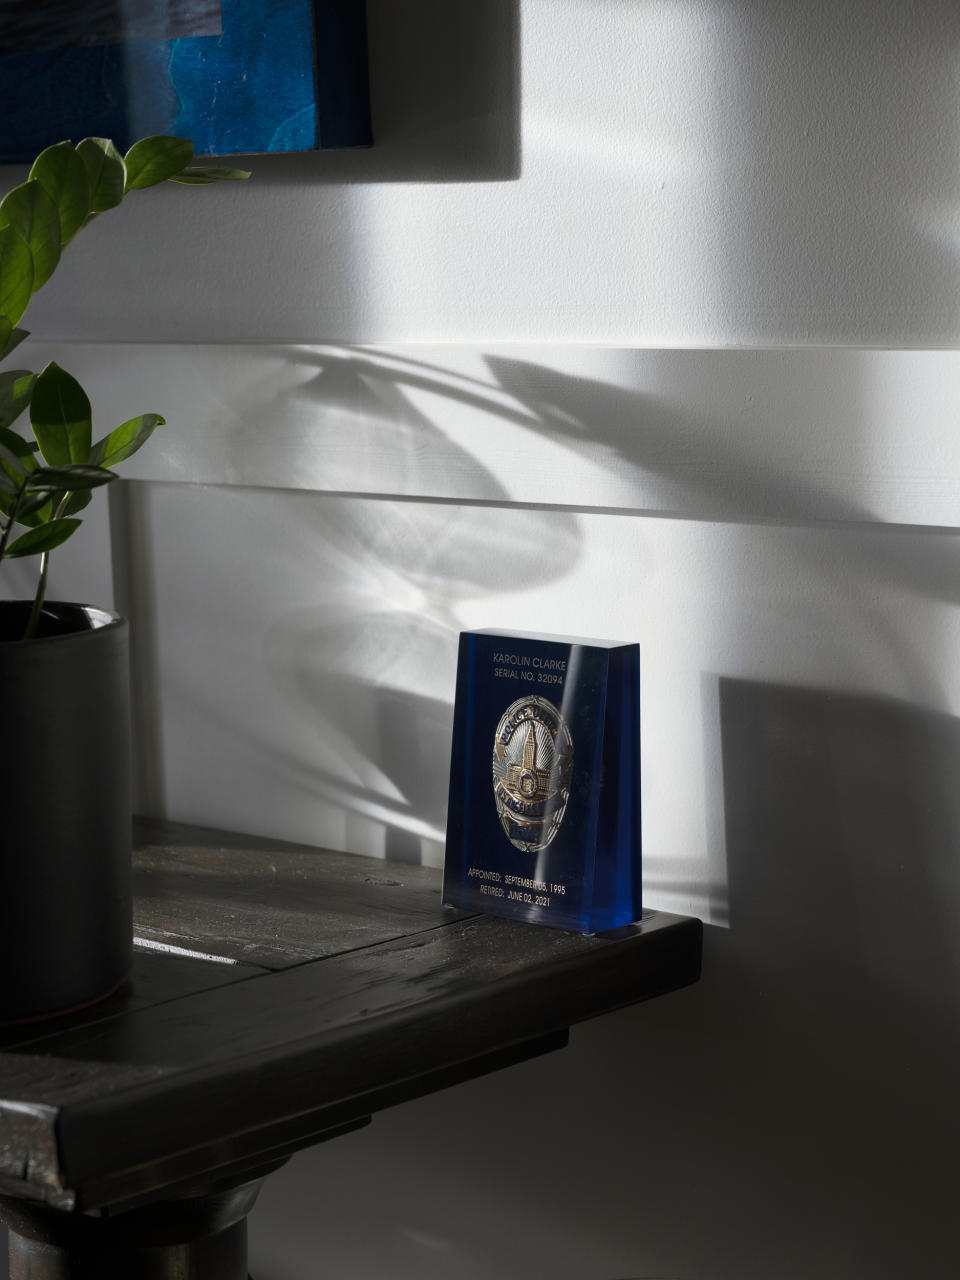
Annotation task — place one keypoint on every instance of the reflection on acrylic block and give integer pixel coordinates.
(544, 813)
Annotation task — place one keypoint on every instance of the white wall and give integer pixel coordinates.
(614, 171)
(599, 181)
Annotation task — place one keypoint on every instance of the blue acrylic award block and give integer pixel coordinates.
(543, 821)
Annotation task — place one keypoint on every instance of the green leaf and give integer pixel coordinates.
(24, 449)
(153, 160)
(13, 337)
(64, 479)
(63, 175)
(76, 502)
(44, 538)
(6, 484)
(38, 509)
(16, 386)
(60, 417)
(125, 440)
(11, 465)
(16, 461)
(16, 458)
(106, 172)
(16, 274)
(202, 176)
(30, 211)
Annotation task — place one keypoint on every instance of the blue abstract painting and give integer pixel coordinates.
(239, 77)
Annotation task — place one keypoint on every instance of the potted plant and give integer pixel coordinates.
(65, 897)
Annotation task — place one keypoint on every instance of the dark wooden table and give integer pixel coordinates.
(279, 997)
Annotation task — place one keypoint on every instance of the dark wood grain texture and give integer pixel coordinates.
(269, 902)
(157, 977)
(393, 997)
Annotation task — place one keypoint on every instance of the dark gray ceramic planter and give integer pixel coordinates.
(65, 875)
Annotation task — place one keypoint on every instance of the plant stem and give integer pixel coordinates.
(34, 620)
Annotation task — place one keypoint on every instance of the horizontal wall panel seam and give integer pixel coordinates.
(812, 435)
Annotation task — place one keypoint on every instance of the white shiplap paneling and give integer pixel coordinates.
(809, 434)
(296, 673)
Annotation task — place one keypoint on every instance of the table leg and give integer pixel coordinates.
(203, 1237)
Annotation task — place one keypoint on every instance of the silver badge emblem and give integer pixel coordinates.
(532, 767)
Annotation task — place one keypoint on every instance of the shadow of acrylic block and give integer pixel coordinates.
(842, 815)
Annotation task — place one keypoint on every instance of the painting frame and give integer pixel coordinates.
(278, 76)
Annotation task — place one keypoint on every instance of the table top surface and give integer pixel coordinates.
(281, 995)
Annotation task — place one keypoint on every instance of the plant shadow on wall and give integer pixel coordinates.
(359, 664)
(643, 449)
(371, 668)
(423, 518)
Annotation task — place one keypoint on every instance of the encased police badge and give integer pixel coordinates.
(543, 816)
(532, 766)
